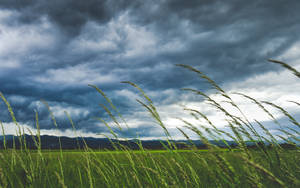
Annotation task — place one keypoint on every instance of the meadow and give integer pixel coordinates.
(272, 161)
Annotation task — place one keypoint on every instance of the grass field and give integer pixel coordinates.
(265, 165)
(200, 168)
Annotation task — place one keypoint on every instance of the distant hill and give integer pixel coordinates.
(52, 142)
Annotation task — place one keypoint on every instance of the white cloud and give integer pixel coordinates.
(19, 43)
(122, 35)
(127, 95)
(5, 14)
(292, 55)
(59, 111)
(277, 87)
(9, 64)
(17, 99)
(272, 45)
(137, 39)
(13, 129)
(118, 34)
(20, 40)
(77, 75)
(96, 38)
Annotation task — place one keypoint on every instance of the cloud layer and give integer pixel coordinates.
(53, 50)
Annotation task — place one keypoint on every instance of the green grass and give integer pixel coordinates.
(271, 166)
(148, 168)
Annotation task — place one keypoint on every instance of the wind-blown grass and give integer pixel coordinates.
(269, 164)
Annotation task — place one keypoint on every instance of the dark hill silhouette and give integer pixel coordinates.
(52, 142)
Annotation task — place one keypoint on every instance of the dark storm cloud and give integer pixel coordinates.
(236, 33)
(70, 15)
(140, 41)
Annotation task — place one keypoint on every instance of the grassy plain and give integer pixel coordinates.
(179, 168)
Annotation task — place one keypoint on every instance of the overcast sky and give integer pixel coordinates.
(52, 50)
